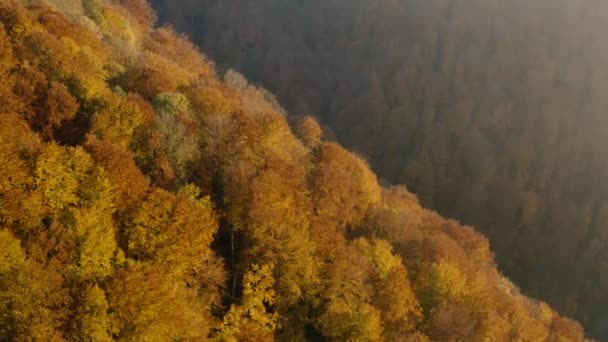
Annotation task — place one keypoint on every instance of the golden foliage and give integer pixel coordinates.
(148, 305)
(117, 121)
(165, 42)
(309, 131)
(151, 74)
(128, 181)
(32, 301)
(186, 209)
(172, 231)
(347, 312)
(250, 320)
(343, 186)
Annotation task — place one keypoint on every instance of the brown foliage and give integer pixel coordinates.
(141, 10)
(129, 183)
(167, 43)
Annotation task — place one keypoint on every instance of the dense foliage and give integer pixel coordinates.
(493, 112)
(144, 199)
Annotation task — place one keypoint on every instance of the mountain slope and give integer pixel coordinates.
(493, 112)
(143, 198)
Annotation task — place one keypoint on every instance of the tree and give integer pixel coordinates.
(117, 121)
(71, 184)
(343, 188)
(18, 146)
(177, 124)
(146, 304)
(141, 10)
(60, 106)
(250, 320)
(91, 320)
(309, 131)
(393, 296)
(32, 298)
(277, 233)
(347, 313)
(172, 231)
(151, 74)
(439, 283)
(128, 182)
(169, 44)
(210, 99)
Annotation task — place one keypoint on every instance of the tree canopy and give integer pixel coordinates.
(143, 197)
(492, 112)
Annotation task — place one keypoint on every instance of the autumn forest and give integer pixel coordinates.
(492, 112)
(150, 194)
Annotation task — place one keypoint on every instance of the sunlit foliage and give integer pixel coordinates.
(144, 199)
(493, 112)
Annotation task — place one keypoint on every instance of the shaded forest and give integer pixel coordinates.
(492, 112)
(144, 197)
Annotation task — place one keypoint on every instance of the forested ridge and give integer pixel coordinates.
(492, 112)
(145, 198)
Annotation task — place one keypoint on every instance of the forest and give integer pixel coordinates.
(146, 196)
(493, 112)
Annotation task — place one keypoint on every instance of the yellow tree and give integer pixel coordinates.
(250, 320)
(146, 304)
(347, 313)
(32, 298)
(90, 320)
(309, 131)
(393, 295)
(175, 47)
(343, 189)
(152, 74)
(277, 231)
(172, 231)
(210, 98)
(80, 194)
(117, 121)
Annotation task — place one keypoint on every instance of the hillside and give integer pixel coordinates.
(145, 198)
(493, 112)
